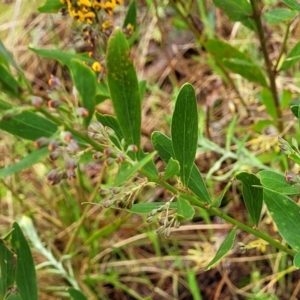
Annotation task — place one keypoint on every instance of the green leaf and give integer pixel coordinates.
(63, 57)
(237, 11)
(267, 100)
(124, 88)
(127, 173)
(235, 60)
(85, 81)
(185, 209)
(148, 167)
(163, 145)
(8, 83)
(29, 160)
(285, 214)
(253, 196)
(131, 15)
(294, 109)
(296, 260)
(184, 131)
(292, 58)
(27, 125)
(225, 247)
(172, 169)
(7, 267)
(25, 273)
(295, 158)
(293, 4)
(145, 208)
(76, 294)
(277, 183)
(279, 15)
(51, 6)
(285, 99)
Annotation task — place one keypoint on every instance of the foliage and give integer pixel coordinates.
(71, 130)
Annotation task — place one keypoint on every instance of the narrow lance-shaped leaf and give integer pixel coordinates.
(253, 196)
(145, 208)
(25, 273)
(224, 248)
(184, 131)
(76, 294)
(235, 60)
(292, 58)
(285, 213)
(7, 267)
(163, 145)
(293, 4)
(51, 6)
(85, 82)
(124, 88)
(131, 16)
(27, 125)
(29, 160)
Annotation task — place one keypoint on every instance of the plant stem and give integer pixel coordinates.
(271, 72)
(216, 212)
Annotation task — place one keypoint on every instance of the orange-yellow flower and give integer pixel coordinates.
(96, 66)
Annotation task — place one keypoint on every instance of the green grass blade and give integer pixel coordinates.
(184, 131)
(76, 295)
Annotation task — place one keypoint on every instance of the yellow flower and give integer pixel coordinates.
(87, 3)
(96, 66)
(106, 24)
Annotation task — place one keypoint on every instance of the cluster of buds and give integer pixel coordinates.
(57, 150)
(86, 10)
(166, 218)
(121, 197)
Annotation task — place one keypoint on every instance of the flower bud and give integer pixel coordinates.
(54, 82)
(82, 112)
(53, 145)
(73, 146)
(37, 102)
(66, 136)
(54, 103)
(41, 142)
(132, 148)
(108, 162)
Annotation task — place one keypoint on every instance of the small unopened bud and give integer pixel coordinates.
(54, 103)
(54, 155)
(70, 163)
(107, 152)
(37, 102)
(73, 146)
(66, 136)
(97, 155)
(167, 232)
(132, 148)
(55, 176)
(96, 126)
(53, 145)
(121, 158)
(71, 174)
(290, 177)
(108, 162)
(160, 229)
(177, 223)
(54, 82)
(41, 142)
(82, 112)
